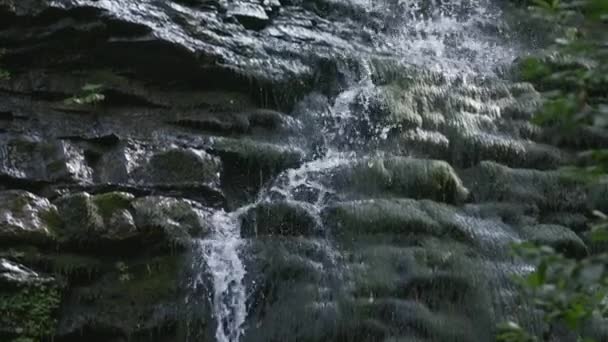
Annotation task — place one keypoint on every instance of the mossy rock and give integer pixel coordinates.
(402, 177)
(81, 218)
(178, 166)
(549, 191)
(96, 221)
(109, 203)
(27, 218)
(405, 219)
(279, 218)
(30, 158)
(249, 164)
(291, 292)
(408, 320)
(561, 238)
(72, 267)
(168, 220)
(265, 156)
(133, 298)
(28, 302)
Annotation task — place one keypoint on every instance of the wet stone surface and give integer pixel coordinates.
(262, 170)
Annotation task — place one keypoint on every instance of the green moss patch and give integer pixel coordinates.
(29, 312)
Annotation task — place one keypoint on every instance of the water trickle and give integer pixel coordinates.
(219, 256)
(443, 104)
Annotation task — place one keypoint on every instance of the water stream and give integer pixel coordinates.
(449, 46)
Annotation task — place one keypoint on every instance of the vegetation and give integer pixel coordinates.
(90, 94)
(573, 76)
(30, 311)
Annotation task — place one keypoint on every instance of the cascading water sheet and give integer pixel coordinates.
(453, 41)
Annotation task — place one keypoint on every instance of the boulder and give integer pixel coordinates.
(279, 218)
(27, 218)
(401, 177)
(548, 190)
(169, 220)
(33, 159)
(118, 219)
(180, 166)
(561, 238)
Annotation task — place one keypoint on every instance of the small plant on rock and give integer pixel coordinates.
(123, 271)
(90, 94)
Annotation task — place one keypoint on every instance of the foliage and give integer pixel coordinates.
(574, 79)
(569, 292)
(574, 75)
(90, 94)
(30, 310)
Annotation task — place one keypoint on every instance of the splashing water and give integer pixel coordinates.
(449, 38)
(219, 254)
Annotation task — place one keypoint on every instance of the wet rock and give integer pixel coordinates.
(410, 318)
(28, 301)
(118, 219)
(578, 222)
(404, 218)
(249, 14)
(134, 298)
(420, 142)
(170, 220)
(291, 293)
(177, 166)
(598, 197)
(402, 177)
(81, 218)
(561, 238)
(16, 275)
(549, 190)
(382, 216)
(248, 164)
(279, 218)
(27, 218)
(34, 159)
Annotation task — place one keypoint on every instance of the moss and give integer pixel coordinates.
(168, 220)
(23, 339)
(18, 203)
(30, 311)
(251, 153)
(533, 69)
(282, 218)
(403, 177)
(52, 220)
(135, 297)
(147, 282)
(402, 216)
(111, 202)
(67, 265)
(152, 281)
(561, 238)
(72, 264)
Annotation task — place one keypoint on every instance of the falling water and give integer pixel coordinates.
(219, 255)
(451, 38)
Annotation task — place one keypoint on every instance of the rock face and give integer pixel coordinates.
(263, 170)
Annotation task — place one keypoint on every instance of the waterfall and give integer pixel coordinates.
(446, 46)
(219, 254)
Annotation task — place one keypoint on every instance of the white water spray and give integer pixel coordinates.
(219, 255)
